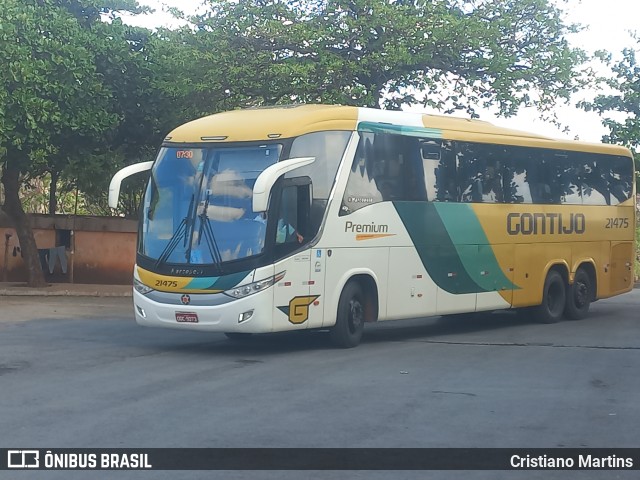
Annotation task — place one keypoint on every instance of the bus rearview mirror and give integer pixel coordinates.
(267, 179)
(116, 181)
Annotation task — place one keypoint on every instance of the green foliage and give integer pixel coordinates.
(625, 100)
(67, 113)
(54, 103)
(35, 198)
(48, 86)
(103, 94)
(388, 53)
(624, 103)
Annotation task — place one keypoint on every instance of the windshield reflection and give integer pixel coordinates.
(198, 205)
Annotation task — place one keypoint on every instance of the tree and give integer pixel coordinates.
(122, 61)
(448, 54)
(625, 101)
(49, 95)
(149, 76)
(119, 51)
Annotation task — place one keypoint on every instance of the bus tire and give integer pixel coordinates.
(553, 299)
(347, 332)
(578, 296)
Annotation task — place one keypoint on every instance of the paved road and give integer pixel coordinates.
(79, 372)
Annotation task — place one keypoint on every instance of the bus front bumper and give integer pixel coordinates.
(251, 314)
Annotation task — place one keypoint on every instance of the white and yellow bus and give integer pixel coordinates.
(327, 217)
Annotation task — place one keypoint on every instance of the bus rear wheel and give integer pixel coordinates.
(553, 299)
(347, 332)
(578, 296)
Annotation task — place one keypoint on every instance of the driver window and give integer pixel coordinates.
(292, 226)
(287, 227)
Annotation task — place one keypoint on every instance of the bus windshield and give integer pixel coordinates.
(197, 209)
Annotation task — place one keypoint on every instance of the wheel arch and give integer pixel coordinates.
(369, 283)
(560, 266)
(589, 266)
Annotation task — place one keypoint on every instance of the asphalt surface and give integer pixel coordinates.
(78, 372)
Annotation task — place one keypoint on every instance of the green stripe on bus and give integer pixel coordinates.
(470, 240)
(216, 283)
(439, 255)
(410, 131)
(453, 246)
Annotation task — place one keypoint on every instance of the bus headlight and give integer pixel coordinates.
(255, 287)
(141, 287)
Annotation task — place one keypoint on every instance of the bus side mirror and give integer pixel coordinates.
(116, 181)
(267, 179)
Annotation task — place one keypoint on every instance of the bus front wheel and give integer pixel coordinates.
(347, 331)
(553, 299)
(578, 296)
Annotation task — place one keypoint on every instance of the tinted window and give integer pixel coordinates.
(480, 171)
(439, 170)
(386, 167)
(535, 175)
(327, 148)
(395, 167)
(619, 171)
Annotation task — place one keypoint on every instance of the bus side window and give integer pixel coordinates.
(571, 173)
(468, 173)
(595, 185)
(438, 171)
(517, 188)
(619, 172)
(480, 171)
(414, 171)
(361, 189)
(399, 168)
(386, 167)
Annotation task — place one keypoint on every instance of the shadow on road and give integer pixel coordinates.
(420, 329)
(123, 335)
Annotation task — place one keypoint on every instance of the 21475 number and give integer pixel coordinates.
(617, 223)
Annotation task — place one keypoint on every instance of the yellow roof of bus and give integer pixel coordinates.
(268, 124)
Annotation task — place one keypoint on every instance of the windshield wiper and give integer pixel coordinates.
(182, 232)
(206, 231)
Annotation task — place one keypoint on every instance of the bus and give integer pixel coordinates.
(327, 217)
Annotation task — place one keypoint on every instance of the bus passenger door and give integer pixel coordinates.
(291, 294)
(296, 295)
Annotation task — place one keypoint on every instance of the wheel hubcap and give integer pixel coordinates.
(356, 315)
(581, 294)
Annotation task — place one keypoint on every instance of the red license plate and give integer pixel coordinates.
(186, 317)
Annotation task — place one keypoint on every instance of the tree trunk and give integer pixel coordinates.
(13, 208)
(53, 189)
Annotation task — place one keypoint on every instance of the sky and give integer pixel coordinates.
(608, 24)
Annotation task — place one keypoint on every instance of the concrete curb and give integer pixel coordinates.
(56, 291)
(65, 293)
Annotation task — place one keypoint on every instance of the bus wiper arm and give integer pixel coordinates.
(182, 232)
(206, 231)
